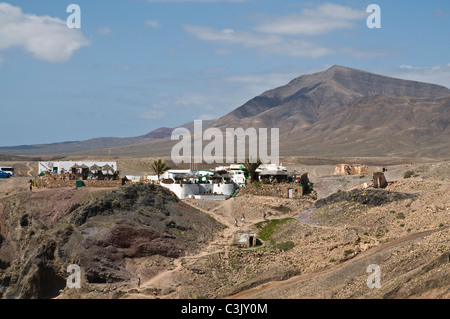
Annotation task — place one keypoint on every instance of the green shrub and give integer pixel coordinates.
(408, 174)
(381, 231)
(348, 252)
(400, 216)
(268, 228)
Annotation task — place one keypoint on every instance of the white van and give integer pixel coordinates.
(8, 170)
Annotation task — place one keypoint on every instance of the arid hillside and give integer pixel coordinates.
(316, 246)
(106, 232)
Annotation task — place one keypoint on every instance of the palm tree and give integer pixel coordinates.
(159, 167)
(251, 168)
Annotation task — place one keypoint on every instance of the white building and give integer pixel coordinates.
(194, 176)
(59, 167)
(133, 178)
(236, 172)
(271, 168)
(190, 190)
(204, 182)
(238, 177)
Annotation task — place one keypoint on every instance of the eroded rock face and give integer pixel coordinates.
(351, 169)
(135, 221)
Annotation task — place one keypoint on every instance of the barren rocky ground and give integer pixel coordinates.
(316, 246)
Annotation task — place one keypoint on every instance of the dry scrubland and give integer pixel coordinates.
(318, 246)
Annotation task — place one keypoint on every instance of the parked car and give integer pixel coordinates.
(4, 175)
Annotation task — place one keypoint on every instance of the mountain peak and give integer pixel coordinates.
(314, 96)
(339, 69)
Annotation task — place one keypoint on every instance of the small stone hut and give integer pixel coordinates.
(244, 239)
(379, 180)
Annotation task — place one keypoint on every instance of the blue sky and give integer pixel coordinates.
(136, 65)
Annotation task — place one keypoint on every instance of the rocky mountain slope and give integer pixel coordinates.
(310, 98)
(107, 233)
(337, 112)
(342, 112)
(348, 112)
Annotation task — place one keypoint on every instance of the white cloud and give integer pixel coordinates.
(104, 31)
(291, 35)
(270, 44)
(47, 38)
(152, 23)
(230, 36)
(320, 20)
(438, 74)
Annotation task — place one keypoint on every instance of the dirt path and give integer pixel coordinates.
(164, 279)
(322, 281)
(30, 169)
(226, 216)
(335, 275)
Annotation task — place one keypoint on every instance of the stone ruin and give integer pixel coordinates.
(379, 180)
(244, 239)
(351, 169)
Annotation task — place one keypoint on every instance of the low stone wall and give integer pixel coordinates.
(278, 190)
(49, 182)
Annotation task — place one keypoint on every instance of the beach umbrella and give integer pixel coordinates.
(108, 168)
(95, 167)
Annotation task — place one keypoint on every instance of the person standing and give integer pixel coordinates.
(243, 218)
